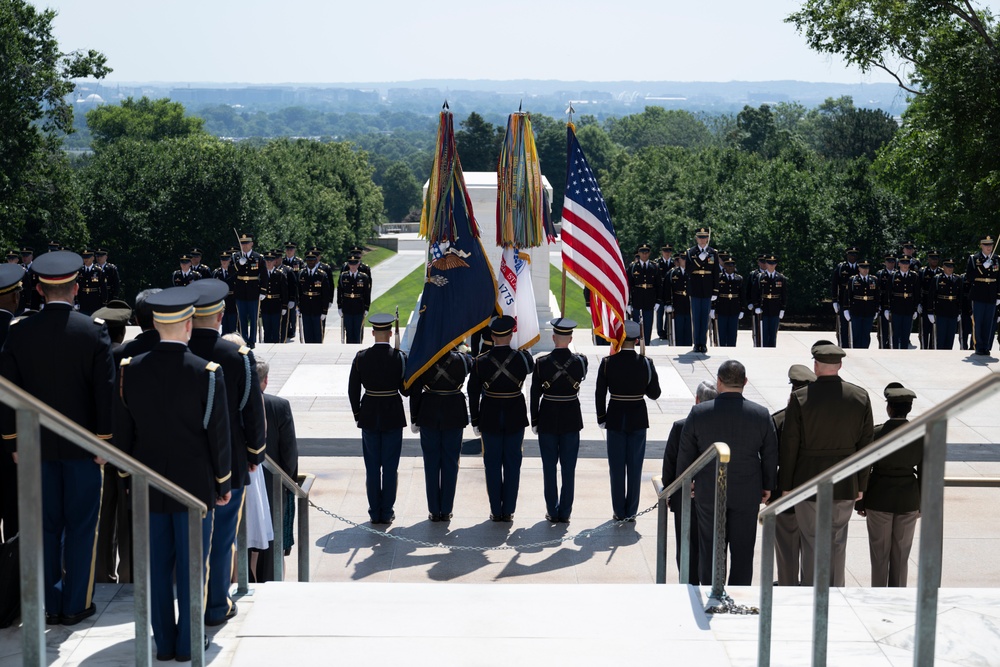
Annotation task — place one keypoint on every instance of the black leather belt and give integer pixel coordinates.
(560, 399)
(381, 394)
(509, 394)
(619, 397)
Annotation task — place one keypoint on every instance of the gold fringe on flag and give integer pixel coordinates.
(520, 200)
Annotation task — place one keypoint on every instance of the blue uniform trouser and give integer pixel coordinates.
(292, 318)
(661, 321)
(246, 314)
(220, 572)
(442, 450)
(352, 327)
(272, 326)
(229, 321)
(947, 327)
(646, 320)
(71, 504)
(983, 325)
(626, 449)
(700, 309)
(381, 451)
(562, 448)
(502, 461)
(312, 329)
(168, 562)
(769, 330)
(682, 330)
(861, 330)
(844, 325)
(728, 327)
(902, 325)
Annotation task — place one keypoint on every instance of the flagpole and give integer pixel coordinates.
(562, 298)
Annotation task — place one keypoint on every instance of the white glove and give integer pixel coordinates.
(670, 309)
(414, 428)
(76, 306)
(475, 429)
(931, 318)
(703, 255)
(262, 297)
(291, 304)
(534, 429)
(781, 314)
(714, 297)
(628, 310)
(740, 316)
(959, 319)
(920, 309)
(888, 315)
(322, 318)
(758, 311)
(364, 314)
(836, 307)
(711, 314)
(602, 426)
(340, 311)
(998, 302)
(847, 315)
(914, 316)
(242, 261)
(988, 263)
(284, 311)
(357, 423)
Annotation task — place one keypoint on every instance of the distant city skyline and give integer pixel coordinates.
(312, 41)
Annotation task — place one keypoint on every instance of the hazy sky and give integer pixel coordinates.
(277, 41)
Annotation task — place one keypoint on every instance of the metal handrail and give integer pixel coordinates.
(973, 482)
(718, 452)
(932, 426)
(32, 415)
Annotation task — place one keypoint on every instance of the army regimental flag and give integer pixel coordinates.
(460, 290)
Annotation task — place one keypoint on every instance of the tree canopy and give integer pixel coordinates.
(142, 119)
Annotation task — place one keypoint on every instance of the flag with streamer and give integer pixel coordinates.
(590, 246)
(517, 297)
(460, 291)
(521, 200)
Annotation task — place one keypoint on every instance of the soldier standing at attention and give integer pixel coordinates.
(11, 278)
(274, 307)
(63, 358)
(770, 295)
(190, 446)
(927, 275)
(499, 415)
(184, 276)
(729, 306)
(196, 265)
(292, 265)
(226, 274)
(981, 273)
(111, 275)
(678, 304)
(903, 302)
(328, 269)
(909, 248)
(644, 289)
(884, 280)
(362, 267)
(439, 415)
(379, 415)
(556, 418)
(245, 408)
(825, 422)
(703, 285)
(663, 264)
(862, 306)
(251, 283)
(93, 292)
(751, 285)
(628, 377)
(842, 274)
(30, 298)
(891, 505)
(945, 305)
(354, 298)
(314, 299)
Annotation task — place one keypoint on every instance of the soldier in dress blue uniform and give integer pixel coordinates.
(628, 377)
(729, 306)
(702, 286)
(379, 369)
(556, 417)
(13, 257)
(93, 292)
(927, 275)
(201, 269)
(664, 264)
(863, 300)
(11, 278)
(185, 276)
(770, 295)
(678, 305)
(291, 265)
(884, 280)
(245, 408)
(945, 305)
(171, 408)
(274, 307)
(644, 290)
(63, 358)
(354, 298)
(226, 274)
(439, 415)
(112, 276)
(981, 273)
(839, 282)
(909, 250)
(499, 415)
(903, 301)
(251, 283)
(315, 296)
(362, 267)
(30, 298)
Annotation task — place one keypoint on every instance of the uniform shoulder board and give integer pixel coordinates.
(98, 320)
(244, 350)
(212, 366)
(125, 362)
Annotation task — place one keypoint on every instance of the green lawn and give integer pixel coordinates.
(376, 254)
(403, 294)
(575, 308)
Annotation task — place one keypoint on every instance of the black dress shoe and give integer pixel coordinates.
(496, 519)
(51, 619)
(507, 517)
(164, 657)
(548, 517)
(434, 517)
(445, 517)
(566, 520)
(388, 521)
(73, 619)
(187, 658)
(231, 614)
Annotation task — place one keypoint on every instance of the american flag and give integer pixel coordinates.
(590, 247)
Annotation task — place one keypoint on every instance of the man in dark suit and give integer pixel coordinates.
(499, 415)
(753, 469)
(171, 415)
(63, 358)
(379, 369)
(825, 422)
(706, 392)
(556, 418)
(246, 429)
(11, 277)
(628, 377)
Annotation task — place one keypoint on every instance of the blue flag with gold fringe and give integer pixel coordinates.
(460, 290)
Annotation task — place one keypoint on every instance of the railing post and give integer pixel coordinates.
(686, 519)
(140, 568)
(196, 586)
(29, 515)
(821, 571)
(242, 556)
(278, 525)
(766, 591)
(719, 536)
(661, 541)
(931, 537)
(303, 539)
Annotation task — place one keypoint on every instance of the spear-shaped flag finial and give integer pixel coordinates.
(445, 107)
